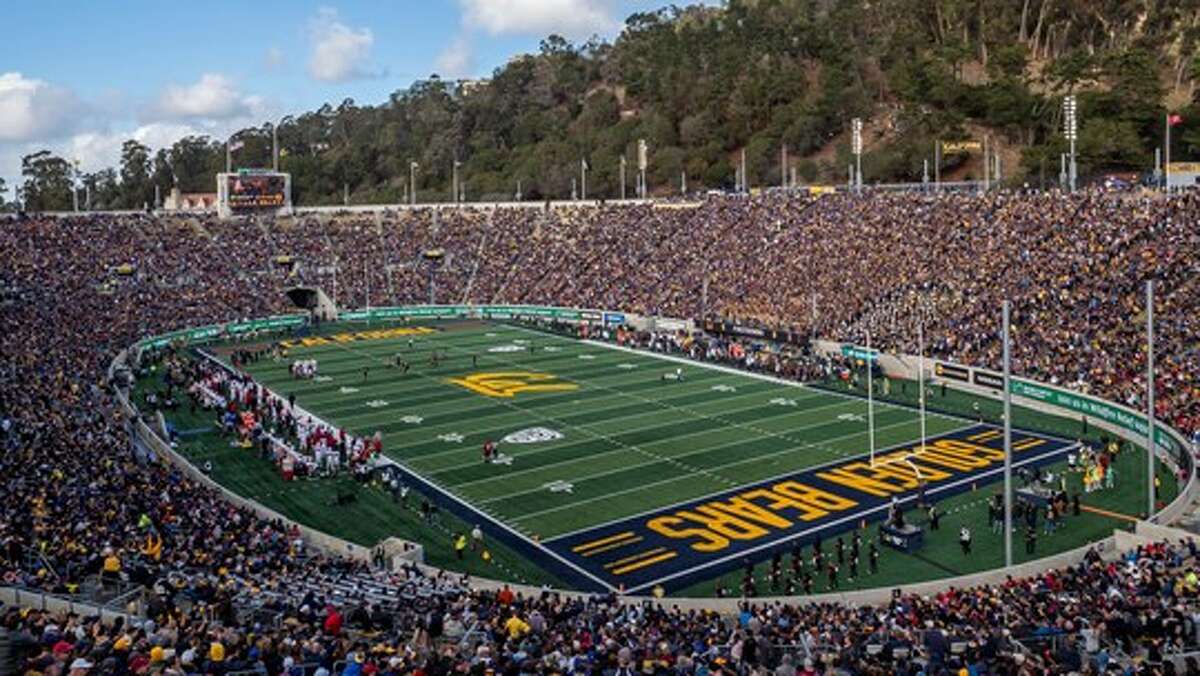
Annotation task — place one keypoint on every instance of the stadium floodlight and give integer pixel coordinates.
(412, 181)
(622, 177)
(454, 182)
(75, 184)
(856, 146)
(1071, 131)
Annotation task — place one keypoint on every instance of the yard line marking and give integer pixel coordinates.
(791, 449)
(499, 428)
(602, 541)
(616, 545)
(706, 472)
(685, 501)
(509, 475)
(642, 564)
(1105, 512)
(622, 468)
(634, 557)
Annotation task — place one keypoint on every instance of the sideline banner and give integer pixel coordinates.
(1095, 408)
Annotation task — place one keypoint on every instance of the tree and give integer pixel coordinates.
(136, 188)
(196, 161)
(47, 182)
(102, 190)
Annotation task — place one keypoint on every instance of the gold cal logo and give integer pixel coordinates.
(506, 384)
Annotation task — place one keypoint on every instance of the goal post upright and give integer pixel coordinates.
(870, 399)
(921, 375)
(1008, 451)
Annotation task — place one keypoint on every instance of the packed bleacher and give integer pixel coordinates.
(83, 509)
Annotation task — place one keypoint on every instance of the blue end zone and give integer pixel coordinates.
(687, 543)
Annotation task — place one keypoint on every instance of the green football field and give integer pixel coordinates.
(631, 441)
(591, 437)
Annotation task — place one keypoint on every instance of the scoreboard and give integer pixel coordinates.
(250, 190)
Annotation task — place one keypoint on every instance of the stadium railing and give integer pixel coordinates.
(40, 600)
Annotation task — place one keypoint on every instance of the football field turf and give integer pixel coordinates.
(625, 475)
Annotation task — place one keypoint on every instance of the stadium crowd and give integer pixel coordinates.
(80, 505)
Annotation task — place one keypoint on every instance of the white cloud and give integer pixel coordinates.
(213, 97)
(100, 150)
(569, 18)
(32, 109)
(339, 52)
(456, 61)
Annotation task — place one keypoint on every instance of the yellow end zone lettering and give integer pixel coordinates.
(354, 336)
(506, 384)
(748, 516)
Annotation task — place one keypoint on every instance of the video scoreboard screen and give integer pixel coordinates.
(254, 191)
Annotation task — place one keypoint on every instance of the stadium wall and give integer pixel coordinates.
(901, 367)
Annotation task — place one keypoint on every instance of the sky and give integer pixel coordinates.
(80, 78)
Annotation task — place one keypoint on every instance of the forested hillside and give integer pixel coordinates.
(702, 84)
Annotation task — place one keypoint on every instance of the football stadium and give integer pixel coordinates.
(745, 337)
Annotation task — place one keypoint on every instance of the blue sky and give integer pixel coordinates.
(80, 78)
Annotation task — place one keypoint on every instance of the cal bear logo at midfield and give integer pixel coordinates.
(506, 384)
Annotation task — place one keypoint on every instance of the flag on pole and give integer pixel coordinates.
(236, 145)
(1174, 119)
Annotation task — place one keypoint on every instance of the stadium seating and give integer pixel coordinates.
(77, 504)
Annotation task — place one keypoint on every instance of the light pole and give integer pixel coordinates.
(274, 147)
(1070, 128)
(856, 141)
(745, 180)
(75, 185)
(412, 183)
(622, 178)
(583, 170)
(643, 162)
(783, 167)
(454, 182)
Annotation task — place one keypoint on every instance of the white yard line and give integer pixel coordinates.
(575, 443)
(592, 457)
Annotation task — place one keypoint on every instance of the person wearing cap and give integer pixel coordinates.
(80, 666)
